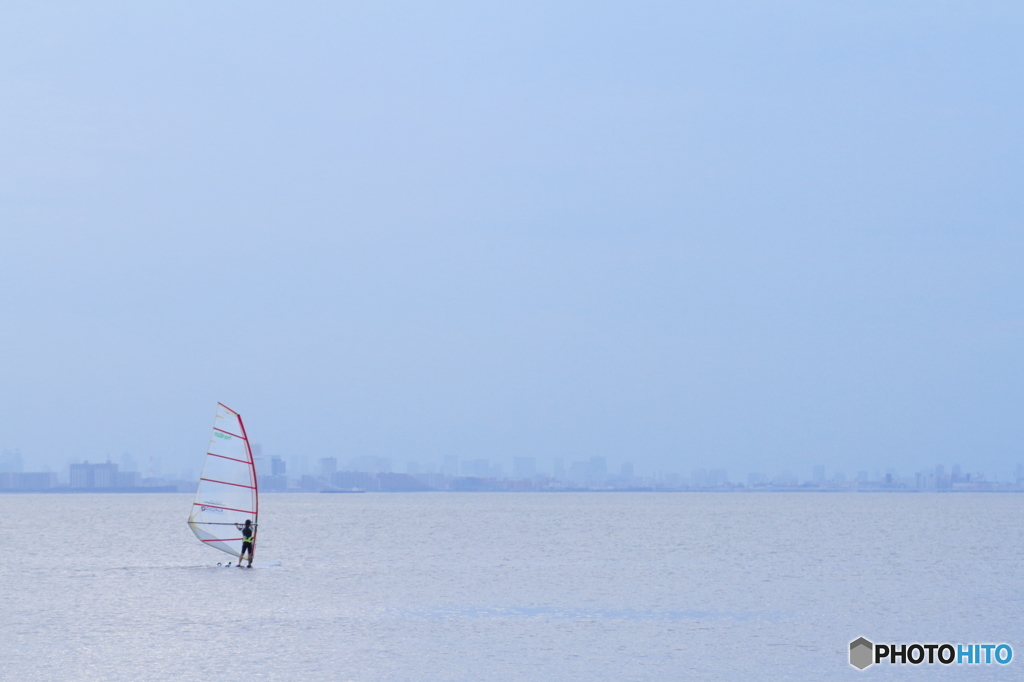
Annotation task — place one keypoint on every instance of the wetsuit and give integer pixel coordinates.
(247, 541)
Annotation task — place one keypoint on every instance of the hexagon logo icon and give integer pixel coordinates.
(861, 653)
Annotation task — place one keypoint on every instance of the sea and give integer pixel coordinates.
(382, 587)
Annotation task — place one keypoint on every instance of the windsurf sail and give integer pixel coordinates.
(227, 493)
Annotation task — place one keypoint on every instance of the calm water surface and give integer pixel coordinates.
(527, 587)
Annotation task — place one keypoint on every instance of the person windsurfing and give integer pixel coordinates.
(247, 540)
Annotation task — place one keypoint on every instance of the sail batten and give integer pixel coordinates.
(227, 492)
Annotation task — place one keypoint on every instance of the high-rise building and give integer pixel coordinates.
(524, 467)
(87, 475)
(450, 466)
(10, 461)
(579, 471)
(479, 468)
(104, 475)
(81, 475)
(127, 463)
(717, 477)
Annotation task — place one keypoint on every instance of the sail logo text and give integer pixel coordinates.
(222, 435)
(863, 653)
(215, 510)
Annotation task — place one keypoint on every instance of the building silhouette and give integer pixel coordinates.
(106, 475)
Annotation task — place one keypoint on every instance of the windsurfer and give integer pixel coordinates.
(247, 539)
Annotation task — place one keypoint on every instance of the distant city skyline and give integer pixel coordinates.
(558, 467)
(277, 475)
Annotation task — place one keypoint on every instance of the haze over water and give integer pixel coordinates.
(720, 235)
(533, 587)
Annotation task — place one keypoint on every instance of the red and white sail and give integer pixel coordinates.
(227, 493)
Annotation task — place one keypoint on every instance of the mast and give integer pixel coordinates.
(255, 488)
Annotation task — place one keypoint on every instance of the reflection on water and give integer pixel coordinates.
(503, 586)
(551, 613)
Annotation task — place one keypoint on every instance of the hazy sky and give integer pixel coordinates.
(752, 236)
